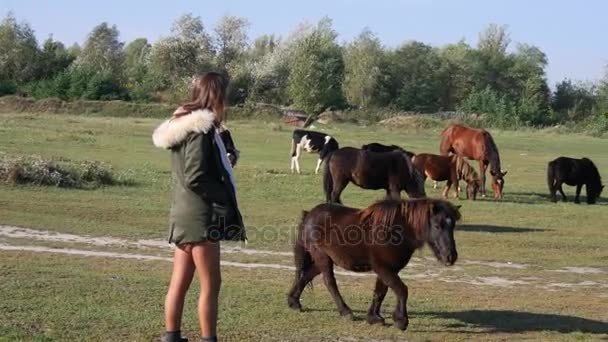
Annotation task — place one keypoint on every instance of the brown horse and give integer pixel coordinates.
(451, 169)
(380, 238)
(392, 171)
(475, 144)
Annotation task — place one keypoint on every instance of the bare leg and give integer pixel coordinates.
(181, 278)
(392, 280)
(373, 314)
(206, 257)
(577, 199)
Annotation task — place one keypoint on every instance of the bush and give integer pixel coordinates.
(64, 174)
(7, 87)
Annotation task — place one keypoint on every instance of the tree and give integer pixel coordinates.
(102, 51)
(317, 73)
(19, 53)
(455, 74)
(231, 40)
(362, 70)
(416, 77)
(574, 100)
(187, 52)
(54, 58)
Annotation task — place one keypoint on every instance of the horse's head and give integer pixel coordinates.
(498, 183)
(593, 193)
(443, 217)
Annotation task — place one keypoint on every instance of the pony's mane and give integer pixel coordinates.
(594, 180)
(464, 170)
(384, 214)
(492, 153)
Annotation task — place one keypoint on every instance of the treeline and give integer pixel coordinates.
(309, 69)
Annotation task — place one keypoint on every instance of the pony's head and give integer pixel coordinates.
(498, 182)
(440, 237)
(473, 187)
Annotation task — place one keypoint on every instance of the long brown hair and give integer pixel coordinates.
(209, 92)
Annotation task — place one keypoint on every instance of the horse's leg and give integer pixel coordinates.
(393, 192)
(327, 268)
(577, 199)
(435, 184)
(297, 157)
(339, 185)
(373, 314)
(318, 166)
(561, 191)
(392, 280)
(482, 178)
(293, 298)
(446, 189)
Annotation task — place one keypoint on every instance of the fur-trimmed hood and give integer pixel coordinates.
(173, 131)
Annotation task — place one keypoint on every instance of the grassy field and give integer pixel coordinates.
(528, 268)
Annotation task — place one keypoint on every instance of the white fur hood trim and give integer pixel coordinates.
(173, 131)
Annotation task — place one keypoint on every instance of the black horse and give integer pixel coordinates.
(392, 171)
(574, 172)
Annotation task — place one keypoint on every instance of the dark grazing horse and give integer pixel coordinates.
(392, 171)
(377, 147)
(311, 142)
(380, 238)
(231, 150)
(451, 169)
(475, 144)
(574, 172)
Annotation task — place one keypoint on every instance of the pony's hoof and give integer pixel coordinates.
(402, 324)
(294, 303)
(375, 319)
(347, 315)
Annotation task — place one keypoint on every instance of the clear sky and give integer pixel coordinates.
(571, 33)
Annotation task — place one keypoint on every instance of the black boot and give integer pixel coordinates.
(208, 339)
(173, 336)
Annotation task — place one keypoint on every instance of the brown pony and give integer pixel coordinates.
(475, 144)
(451, 169)
(380, 238)
(392, 171)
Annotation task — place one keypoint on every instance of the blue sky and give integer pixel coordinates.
(571, 33)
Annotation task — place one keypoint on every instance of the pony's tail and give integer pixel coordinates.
(302, 259)
(328, 181)
(551, 177)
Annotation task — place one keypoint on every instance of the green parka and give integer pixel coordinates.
(201, 182)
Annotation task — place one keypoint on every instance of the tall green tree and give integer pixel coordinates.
(19, 53)
(102, 51)
(362, 70)
(231, 40)
(455, 74)
(186, 52)
(317, 72)
(54, 58)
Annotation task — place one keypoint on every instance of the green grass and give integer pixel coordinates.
(58, 298)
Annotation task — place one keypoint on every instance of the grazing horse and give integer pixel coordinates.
(380, 238)
(392, 171)
(577, 172)
(376, 147)
(475, 144)
(312, 142)
(231, 150)
(451, 169)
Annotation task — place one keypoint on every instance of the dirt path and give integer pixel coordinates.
(417, 270)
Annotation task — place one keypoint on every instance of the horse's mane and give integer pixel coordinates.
(463, 169)
(491, 152)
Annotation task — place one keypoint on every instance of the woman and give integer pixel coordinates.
(204, 208)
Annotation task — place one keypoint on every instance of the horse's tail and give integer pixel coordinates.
(302, 259)
(328, 181)
(551, 176)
